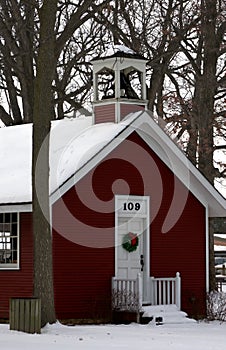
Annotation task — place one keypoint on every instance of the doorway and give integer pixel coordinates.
(132, 217)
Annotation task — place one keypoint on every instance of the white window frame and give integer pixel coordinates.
(11, 265)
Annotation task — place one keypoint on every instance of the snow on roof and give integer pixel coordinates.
(76, 146)
(117, 48)
(15, 163)
(114, 51)
(219, 247)
(72, 143)
(71, 149)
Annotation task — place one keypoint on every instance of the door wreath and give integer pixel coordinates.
(130, 242)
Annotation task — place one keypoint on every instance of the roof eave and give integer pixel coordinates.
(15, 207)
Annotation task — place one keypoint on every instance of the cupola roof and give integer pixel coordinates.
(119, 51)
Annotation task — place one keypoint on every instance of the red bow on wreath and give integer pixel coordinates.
(133, 238)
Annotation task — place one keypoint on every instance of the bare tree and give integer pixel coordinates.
(78, 37)
(204, 56)
(43, 276)
(50, 48)
(17, 21)
(185, 44)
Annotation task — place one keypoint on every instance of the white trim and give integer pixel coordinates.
(116, 237)
(117, 112)
(176, 160)
(8, 268)
(118, 63)
(15, 208)
(18, 240)
(12, 266)
(147, 251)
(51, 218)
(207, 249)
(121, 100)
(132, 198)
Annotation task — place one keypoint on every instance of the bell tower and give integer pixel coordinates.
(119, 77)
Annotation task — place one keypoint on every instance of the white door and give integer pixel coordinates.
(129, 264)
(132, 215)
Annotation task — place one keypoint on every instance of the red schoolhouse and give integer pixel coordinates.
(113, 176)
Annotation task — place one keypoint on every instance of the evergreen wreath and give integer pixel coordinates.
(130, 242)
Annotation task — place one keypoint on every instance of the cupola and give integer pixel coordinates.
(119, 83)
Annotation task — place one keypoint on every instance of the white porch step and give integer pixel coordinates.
(169, 313)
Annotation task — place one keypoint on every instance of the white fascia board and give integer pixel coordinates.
(185, 171)
(118, 63)
(207, 251)
(15, 208)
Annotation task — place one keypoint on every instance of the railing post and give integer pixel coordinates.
(114, 298)
(178, 290)
(152, 290)
(139, 291)
(113, 283)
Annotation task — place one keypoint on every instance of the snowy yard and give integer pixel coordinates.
(178, 332)
(191, 336)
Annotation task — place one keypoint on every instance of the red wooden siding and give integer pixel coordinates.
(127, 108)
(82, 281)
(183, 248)
(83, 236)
(104, 114)
(19, 283)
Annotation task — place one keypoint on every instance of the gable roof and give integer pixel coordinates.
(73, 142)
(76, 146)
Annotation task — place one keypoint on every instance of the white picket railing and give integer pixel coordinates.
(128, 294)
(165, 291)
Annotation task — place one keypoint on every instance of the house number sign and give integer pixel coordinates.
(131, 205)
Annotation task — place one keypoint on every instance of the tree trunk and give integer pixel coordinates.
(43, 276)
(202, 116)
(206, 85)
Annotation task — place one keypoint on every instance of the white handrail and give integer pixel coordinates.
(165, 291)
(127, 294)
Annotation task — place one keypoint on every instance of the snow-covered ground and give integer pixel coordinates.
(189, 336)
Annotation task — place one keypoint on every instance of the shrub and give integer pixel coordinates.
(216, 306)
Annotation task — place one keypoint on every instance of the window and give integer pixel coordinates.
(105, 81)
(9, 242)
